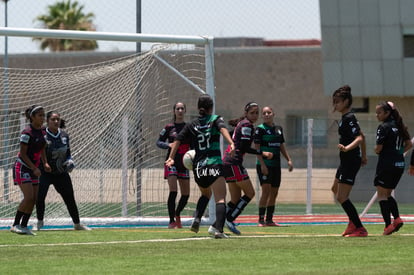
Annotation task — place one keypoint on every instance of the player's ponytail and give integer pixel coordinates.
(389, 106)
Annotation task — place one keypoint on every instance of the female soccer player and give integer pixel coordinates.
(269, 138)
(204, 133)
(236, 175)
(26, 170)
(411, 167)
(178, 171)
(352, 157)
(61, 164)
(393, 140)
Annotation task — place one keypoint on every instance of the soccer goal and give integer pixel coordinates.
(114, 112)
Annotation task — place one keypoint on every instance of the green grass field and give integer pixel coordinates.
(298, 249)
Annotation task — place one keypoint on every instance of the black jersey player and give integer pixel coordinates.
(352, 155)
(392, 141)
(177, 172)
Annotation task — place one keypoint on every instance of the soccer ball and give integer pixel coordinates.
(188, 159)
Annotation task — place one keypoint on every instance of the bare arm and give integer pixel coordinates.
(286, 155)
(174, 148)
(23, 155)
(354, 144)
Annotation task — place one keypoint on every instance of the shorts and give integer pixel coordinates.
(274, 177)
(388, 178)
(235, 173)
(23, 174)
(172, 171)
(346, 173)
(206, 175)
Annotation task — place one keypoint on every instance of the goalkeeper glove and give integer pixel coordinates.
(69, 164)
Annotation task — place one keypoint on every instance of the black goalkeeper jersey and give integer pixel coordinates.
(57, 150)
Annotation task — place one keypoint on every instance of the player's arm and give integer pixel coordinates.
(354, 144)
(43, 158)
(174, 148)
(25, 158)
(227, 137)
(364, 159)
(162, 139)
(286, 155)
(411, 168)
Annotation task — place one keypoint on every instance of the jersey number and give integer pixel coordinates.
(203, 141)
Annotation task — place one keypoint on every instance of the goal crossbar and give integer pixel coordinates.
(109, 36)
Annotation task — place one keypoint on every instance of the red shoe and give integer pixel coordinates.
(359, 232)
(261, 224)
(398, 223)
(272, 223)
(349, 229)
(172, 225)
(389, 230)
(178, 222)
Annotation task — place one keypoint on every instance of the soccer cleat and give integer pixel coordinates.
(232, 227)
(27, 231)
(398, 223)
(212, 230)
(261, 224)
(349, 229)
(79, 226)
(389, 230)
(178, 222)
(16, 229)
(172, 225)
(219, 235)
(195, 226)
(38, 225)
(359, 232)
(272, 223)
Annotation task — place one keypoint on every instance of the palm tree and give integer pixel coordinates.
(66, 15)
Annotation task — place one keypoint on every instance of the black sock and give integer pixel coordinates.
(18, 217)
(220, 216)
(262, 211)
(385, 211)
(181, 204)
(201, 207)
(25, 219)
(171, 205)
(237, 210)
(269, 213)
(392, 203)
(352, 213)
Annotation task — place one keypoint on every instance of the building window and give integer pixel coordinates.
(298, 131)
(408, 45)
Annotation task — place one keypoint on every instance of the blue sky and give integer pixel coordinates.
(269, 19)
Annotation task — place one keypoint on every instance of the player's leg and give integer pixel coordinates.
(219, 190)
(184, 184)
(44, 184)
(266, 188)
(170, 173)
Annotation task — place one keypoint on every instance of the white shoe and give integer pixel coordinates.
(79, 226)
(219, 235)
(27, 231)
(38, 225)
(212, 230)
(16, 229)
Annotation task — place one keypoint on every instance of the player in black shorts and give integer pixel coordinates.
(352, 155)
(26, 170)
(269, 137)
(177, 172)
(236, 175)
(204, 133)
(393, 140)
(411, 168)
(60, 160)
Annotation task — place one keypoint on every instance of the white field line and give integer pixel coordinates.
(188, 239)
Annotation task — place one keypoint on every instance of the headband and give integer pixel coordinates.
(250, 104)
(35, 109)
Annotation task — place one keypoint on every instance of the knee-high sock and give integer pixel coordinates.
(25, 219)
(237, 210)
(392, 203)
(385, 211)
(262, 211)
(181, 204)
(352, 213)
(18, 217)
(220, 216)
(269, 213)
(171, 205)
(201, 207)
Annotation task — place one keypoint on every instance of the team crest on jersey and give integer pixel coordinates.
(279, 132)
(246, 131)
(162, 132)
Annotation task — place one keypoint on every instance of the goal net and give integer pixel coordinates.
(114, 111)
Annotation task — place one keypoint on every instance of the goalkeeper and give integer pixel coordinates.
(60, 160)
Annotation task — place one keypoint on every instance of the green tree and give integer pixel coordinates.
(66, 15)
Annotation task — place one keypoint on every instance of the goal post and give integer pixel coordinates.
(114, 110)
